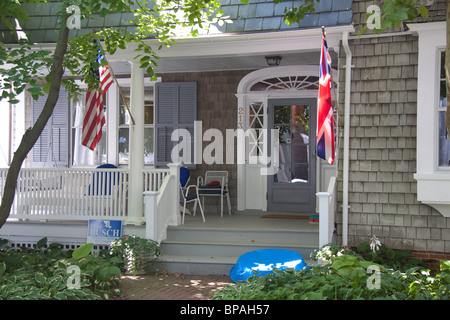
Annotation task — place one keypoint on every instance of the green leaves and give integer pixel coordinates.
(28, 68)
(296, 14)
(395, 12)
(347, 277)
(34, 274)
(137, 253)
(2, 268)
(159, 20)
(82, 251)
(444, 265)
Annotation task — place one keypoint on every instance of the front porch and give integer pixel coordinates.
(58, 203)
(213, 247)
(196, 247)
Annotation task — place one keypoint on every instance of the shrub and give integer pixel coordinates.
(42, 273)
(343, 279)
(330, 250)
(137, 253)
(348, 275)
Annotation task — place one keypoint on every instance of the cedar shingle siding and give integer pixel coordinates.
(382, 189)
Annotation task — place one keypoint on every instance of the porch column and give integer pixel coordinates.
(136, 155)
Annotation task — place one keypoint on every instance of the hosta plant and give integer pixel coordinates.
(138, 253)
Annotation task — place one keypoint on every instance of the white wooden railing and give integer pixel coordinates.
(162, 206)
(76, 194)
(69, 194)
(327, 213)
(153, 178)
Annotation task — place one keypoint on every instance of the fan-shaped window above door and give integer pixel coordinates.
(301, 80)
(289, 83)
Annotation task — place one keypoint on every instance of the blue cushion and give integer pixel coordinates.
(210, 190)
(108, 176)
(210, 187)
(184, 176)
(191, 197)
(262, 262)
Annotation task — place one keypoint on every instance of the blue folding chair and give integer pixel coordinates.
(108, 178)
(186, 196)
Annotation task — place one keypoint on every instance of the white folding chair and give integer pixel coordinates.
(215, 184)
(186, 195)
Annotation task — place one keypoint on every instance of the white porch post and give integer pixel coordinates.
(175, 216)
(151, 216)
(136, 156)
(324, 217)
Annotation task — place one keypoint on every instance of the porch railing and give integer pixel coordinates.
(327, 213)
(153, 178)
(75, 194)
(162, 206)
(69, 194)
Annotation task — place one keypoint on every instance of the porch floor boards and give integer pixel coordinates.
(213, 247)
(248, 220)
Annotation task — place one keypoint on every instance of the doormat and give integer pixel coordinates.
(284, 216)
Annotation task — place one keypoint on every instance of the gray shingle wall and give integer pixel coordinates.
(382, 189)
(258, 15)
(216, 108)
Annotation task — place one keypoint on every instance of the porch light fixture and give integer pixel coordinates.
(273, 60)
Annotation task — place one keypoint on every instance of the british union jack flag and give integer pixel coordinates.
(325, 130)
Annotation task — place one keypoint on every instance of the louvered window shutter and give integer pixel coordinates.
(176, 108)
(52, 147)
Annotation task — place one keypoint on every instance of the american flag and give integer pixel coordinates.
(325, 132)
(94, 114)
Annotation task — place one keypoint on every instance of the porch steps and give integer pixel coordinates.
(202, 249)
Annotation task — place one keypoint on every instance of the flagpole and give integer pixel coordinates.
(115, 80)
(324, 33)
(121, 93)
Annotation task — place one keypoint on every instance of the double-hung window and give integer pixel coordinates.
(444, 142)
(167, 107)
(433, 167)
(125, 121)
(81, 155)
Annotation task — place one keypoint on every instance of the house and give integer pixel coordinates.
(391, 176)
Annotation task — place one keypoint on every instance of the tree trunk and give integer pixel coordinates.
(32, 134)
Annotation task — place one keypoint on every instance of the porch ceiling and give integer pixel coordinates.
(219, 63)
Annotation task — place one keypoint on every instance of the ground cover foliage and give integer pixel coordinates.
(365, 273)
(48, 272)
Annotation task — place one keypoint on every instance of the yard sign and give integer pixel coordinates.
(103, 231)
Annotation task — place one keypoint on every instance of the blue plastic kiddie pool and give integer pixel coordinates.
(262, 262)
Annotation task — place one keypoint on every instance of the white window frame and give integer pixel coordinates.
(433, 182)
(72, 127)
(126, 82)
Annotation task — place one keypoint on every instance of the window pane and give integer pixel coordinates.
(124, 134)
(444, 143)
(148, 105)
(124, 117)
(83, 156)
(148, 146)
(282, 114)
(300, 173)
(300, 114)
